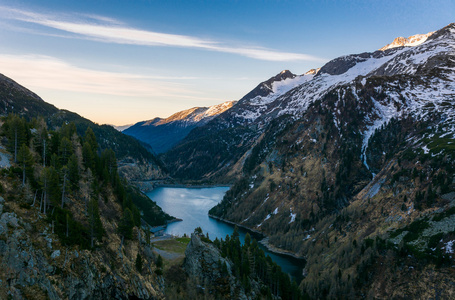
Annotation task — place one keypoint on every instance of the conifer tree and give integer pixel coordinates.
(16, 133)
(96, 227)
(127, 224)
(73, 172)
(41, 139)
(65, 150)
(138, 262)
(25, 160)
(90, 138)
(64, 171)
(88, 156)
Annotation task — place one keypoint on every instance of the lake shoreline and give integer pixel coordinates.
(264, 241)
(193, 205)
(147, 186)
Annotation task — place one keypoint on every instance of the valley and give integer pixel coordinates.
(339, 165)
(192, 206)
(350, 166)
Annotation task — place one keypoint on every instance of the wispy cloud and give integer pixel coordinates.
(45, 72)
(109, 30)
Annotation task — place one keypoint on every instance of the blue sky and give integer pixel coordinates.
(123, 61)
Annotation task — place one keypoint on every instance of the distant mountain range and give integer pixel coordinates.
(122, 127)
(163, 134)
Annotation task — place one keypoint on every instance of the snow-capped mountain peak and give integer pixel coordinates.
(195, 114)
(413, 40)
(312, 71)
(162, 134)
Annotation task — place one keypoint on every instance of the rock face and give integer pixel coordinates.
(33, 265)
(204, 262)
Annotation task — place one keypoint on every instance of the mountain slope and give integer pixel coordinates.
(69, 227)
(163, 134)
(358, 173)
(19, 100)
(136, 161)
(215, 151)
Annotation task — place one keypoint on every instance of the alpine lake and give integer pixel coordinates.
(192, 206)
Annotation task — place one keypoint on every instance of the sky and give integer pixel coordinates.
(124, 61)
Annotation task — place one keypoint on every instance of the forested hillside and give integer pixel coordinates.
(64, 204)
(136, 161)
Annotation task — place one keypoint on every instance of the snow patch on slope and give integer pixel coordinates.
(280, 88)
(385, 113)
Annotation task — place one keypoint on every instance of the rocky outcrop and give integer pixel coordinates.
(34, 265)
(204, 262)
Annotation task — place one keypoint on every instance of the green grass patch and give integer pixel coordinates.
(184, 240)
(175, 245)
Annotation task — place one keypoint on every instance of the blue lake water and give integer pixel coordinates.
(192, 206)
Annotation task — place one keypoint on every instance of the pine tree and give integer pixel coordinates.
(96, 227)
(159, 262)
(90, 138)
(16, 133)
(109, 163)
(41, 139)
(73, 172)
(64, 171)
(88, 156)
(127, 224)
(65, 150)
(25, 159)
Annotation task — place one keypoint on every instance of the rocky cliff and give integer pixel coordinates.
(203, 262)
(413, 40)
(35, 265)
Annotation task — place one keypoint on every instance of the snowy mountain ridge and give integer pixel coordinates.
(162, 134)
(192, 115)
(413, 82)
(293, 93)
(348, 69)
(413, 40)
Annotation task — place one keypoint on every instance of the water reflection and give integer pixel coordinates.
(192, 206)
